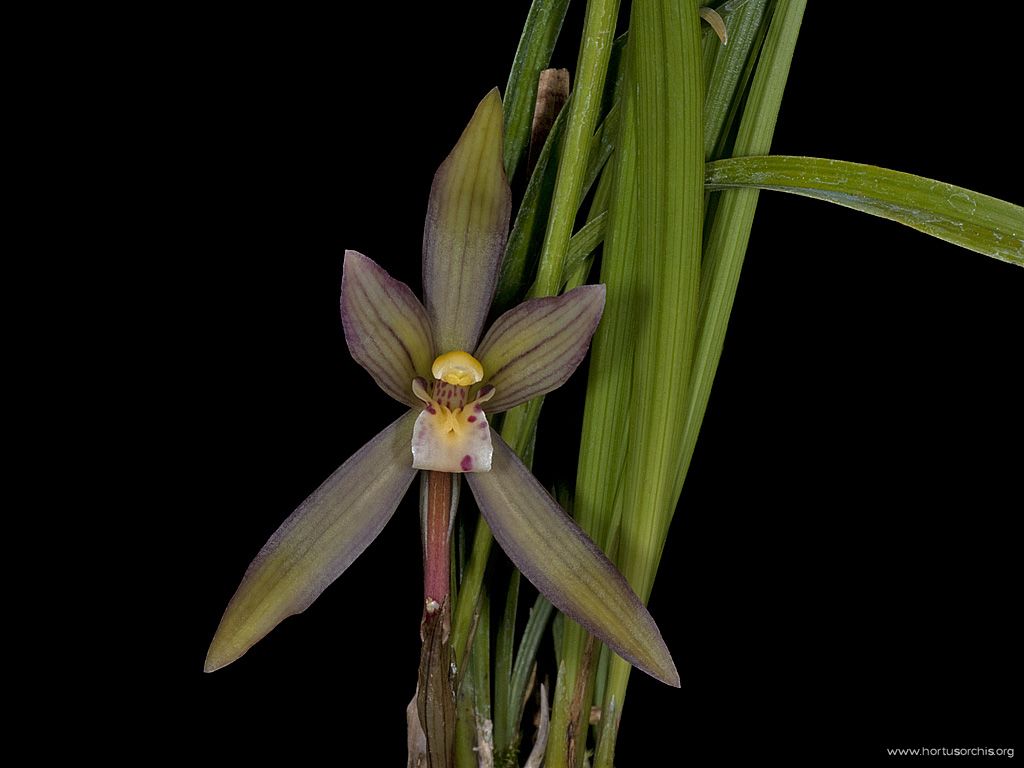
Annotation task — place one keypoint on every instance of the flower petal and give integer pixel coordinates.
(447, 441)
(533, 348)
(386, 327)
(466, 229)
(317, 542)
(555, 554)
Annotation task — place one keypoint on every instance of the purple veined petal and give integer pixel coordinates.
(466, 229)
(317, 542)
(533, 348)
(386, 327)
(560, 560)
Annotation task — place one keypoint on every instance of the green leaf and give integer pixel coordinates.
(582, 247)
(540, 34)
(981, 223)
(524, 242)
(527, 237)
(728, 67)
(522, 670)
(668, 95)
(505, 724)
(729, 230)
(583, 108)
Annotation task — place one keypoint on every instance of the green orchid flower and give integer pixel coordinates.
(430, 357)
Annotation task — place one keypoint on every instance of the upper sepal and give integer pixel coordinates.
(466, 229)
(534, 347)
(386, 326)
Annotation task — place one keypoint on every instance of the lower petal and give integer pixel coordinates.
(567, 567)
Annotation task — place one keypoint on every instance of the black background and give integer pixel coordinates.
(839, 574)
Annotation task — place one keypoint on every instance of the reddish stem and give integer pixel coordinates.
(436, 568)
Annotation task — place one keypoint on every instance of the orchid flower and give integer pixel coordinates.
(430, 358)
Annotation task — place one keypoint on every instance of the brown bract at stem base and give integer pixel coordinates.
(552, 93)
(435, 701)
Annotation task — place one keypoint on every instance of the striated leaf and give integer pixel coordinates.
(317, 542)
(465, 231)
(504, 708)
(535, 48)
(567, 567)
(525, 667)
(728, 69)
(583, 111)
(386, 327)
(533, 348)
(984, 224)
(519, 264)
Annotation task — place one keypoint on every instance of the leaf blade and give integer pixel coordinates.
(540, 33)
(961, 216)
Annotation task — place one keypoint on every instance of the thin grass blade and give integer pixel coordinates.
(505, 725)
(540, 34)
(961, 216)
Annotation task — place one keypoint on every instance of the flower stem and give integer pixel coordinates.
(436, 692)
(437, 530)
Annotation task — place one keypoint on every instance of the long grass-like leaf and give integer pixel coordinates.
(605, 422)
(584, 109)
(473, 694)
(667, 87)
(981, 223)
(522, 670)
(540, 34)
(504, 709)
(583, 244)
(730, 229)
(527, 236)
(728, 67)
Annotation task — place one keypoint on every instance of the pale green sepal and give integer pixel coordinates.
(317, 542)
(465, 231)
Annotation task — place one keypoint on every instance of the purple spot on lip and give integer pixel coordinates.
(478, 408)
(471, 419)
(466, 463)
(430, 410)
